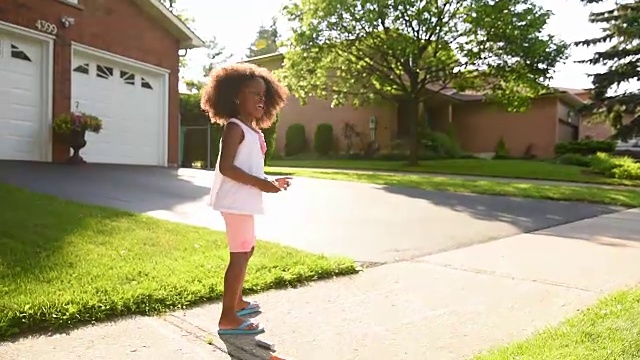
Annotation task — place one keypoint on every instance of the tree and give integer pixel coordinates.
(621, 28)
(216, 54)
(168, 3)
(266, 41)
(405, 51)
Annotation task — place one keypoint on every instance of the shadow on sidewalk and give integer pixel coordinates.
(525, 214)
(616, 230)
(245, 347)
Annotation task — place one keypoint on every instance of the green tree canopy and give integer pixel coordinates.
(621, 29)
(360, 51)
(266, 41)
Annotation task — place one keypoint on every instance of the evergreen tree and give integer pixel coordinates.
(621, 29)
(266, 41)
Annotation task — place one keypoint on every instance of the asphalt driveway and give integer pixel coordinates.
(369, 223)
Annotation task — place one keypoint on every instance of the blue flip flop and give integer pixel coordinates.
(253, 307)
(242, 330)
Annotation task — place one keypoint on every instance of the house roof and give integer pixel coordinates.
(164, 16)
(263, 57)
(572, 90)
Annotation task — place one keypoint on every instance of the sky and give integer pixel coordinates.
(235, 28)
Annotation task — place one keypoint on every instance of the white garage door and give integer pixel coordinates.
(21, 98)
(130, 101)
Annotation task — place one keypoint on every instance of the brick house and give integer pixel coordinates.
(478, 124)
(116, 59)
(596, 130)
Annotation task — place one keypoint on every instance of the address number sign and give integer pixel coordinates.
(46, 27)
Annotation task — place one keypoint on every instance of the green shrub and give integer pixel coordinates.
(440, 145)
(528, 153)
(323, 139)
(190, 111)
(216, 135)
(191, 114)
(617, 167)
(501, 150)
(295, 140)
(585, 147)
(574, 159)
(627, 172)
(270, 138)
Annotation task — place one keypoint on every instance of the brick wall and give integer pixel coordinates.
(116, 26)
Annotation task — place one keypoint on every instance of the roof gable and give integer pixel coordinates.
(164, 16)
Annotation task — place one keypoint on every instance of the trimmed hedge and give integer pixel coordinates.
(585, 147)
(323, 139)
(574, 159)
(295, 140)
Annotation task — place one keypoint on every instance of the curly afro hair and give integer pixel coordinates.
(225, 83)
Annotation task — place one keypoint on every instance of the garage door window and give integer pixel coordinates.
(104, 72)
(145, 84)
(17, 53)
(82, 69)
(127, 77)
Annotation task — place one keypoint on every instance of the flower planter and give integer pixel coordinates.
(77, 141)
(73, 127)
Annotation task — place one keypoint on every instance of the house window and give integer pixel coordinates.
(16, 53)
(104, 72)
(82, 69)
(145, 84)
(127, 77)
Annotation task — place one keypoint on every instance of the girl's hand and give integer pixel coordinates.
(283, 183)
(269, 186)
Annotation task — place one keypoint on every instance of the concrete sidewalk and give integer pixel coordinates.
(446, 306)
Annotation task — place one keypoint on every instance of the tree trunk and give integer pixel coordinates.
(413, 106)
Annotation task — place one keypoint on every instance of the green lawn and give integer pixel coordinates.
(609, 330)
(63, 263)
(518, 169)
(612, 196)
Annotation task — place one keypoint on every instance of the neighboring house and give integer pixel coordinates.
(595, 130)
(116, 59)
(478, 125)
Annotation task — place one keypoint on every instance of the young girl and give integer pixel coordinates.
(244, 98)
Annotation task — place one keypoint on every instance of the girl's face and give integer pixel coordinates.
(251, 99)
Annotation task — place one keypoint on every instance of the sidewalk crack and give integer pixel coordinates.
(510, 277)
(188, 327)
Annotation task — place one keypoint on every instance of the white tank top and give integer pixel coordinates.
(231, 196)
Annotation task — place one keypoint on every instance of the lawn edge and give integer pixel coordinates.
(500, 351)
(613, 182)
(38, 326)
(575, 188)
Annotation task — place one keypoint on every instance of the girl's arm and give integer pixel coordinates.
(232, 136)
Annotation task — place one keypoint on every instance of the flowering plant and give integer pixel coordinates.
(64, 123)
